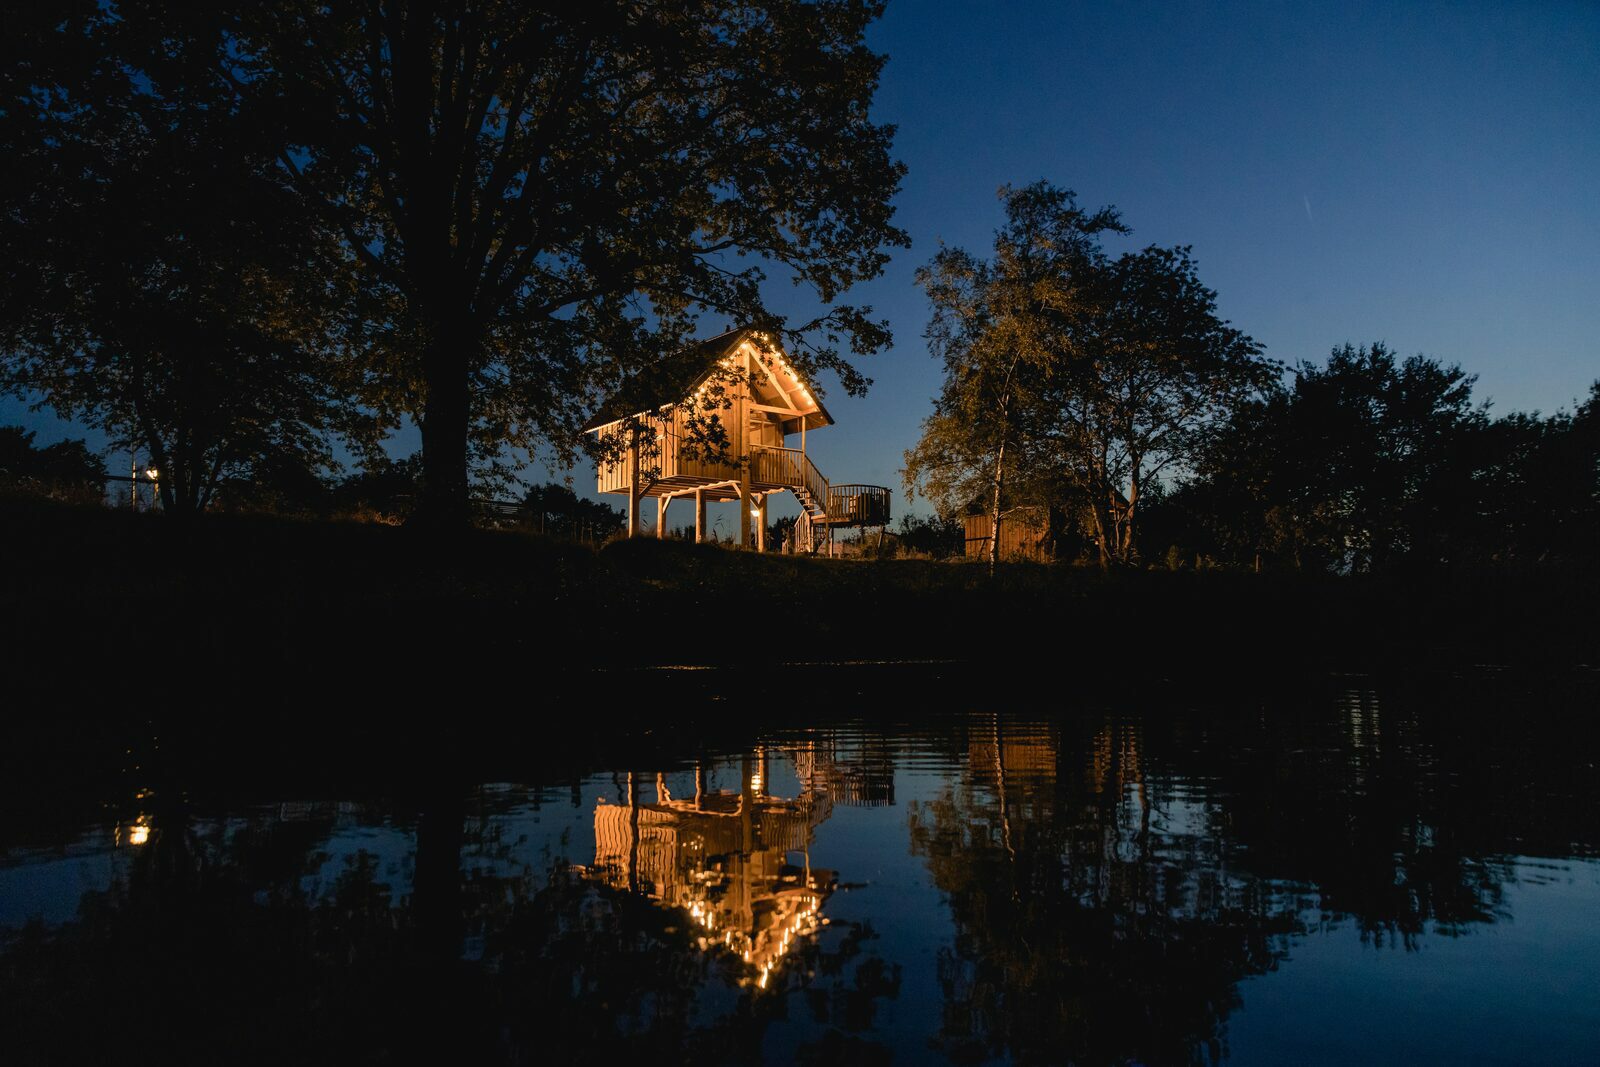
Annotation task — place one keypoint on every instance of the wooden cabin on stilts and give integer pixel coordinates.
(720, 421)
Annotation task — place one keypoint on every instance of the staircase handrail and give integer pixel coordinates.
(792, 467)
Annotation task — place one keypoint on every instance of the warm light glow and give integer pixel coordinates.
(756, 782)
(139, 832)
(152, 473)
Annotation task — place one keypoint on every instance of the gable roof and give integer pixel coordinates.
(678, 375)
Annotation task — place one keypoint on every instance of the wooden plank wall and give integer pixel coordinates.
(1023, 535)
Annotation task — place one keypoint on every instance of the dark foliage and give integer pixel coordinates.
(1372, 463)
(66, 470)
(941, 537)
(556, 510)
(384, 488)
(160, 281)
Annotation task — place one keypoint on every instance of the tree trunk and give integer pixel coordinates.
(1130, 516)
(994, 506)
(443, 502)
(1102, 530)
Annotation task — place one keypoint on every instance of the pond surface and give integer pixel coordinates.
(1342, 870)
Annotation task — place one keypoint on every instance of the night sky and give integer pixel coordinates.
(1426, 176)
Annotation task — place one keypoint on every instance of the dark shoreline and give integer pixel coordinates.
(138, 608)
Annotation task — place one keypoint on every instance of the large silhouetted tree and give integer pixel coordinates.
(1360, 463)
(543, 196)
(1150, 372)
(160, 280)
(1370, 461)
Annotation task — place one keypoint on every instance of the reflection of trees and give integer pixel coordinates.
(1405, 814)
(1111, 885)
(237, 938)
(1092, 923)
(1109, 881)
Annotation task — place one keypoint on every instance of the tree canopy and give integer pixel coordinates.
(539, 198)
(162, 283)
(1370, 462)
(1073, 377)
(999, 327)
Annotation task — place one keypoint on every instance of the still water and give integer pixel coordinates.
(1345, 869)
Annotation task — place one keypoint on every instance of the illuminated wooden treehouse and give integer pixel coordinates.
(719, 422)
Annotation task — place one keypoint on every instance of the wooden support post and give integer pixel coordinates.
(633, 484)
(761, 527)
(661, 516)
(699, 515)
(744, 502)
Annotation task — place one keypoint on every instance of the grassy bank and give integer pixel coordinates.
(103, 603)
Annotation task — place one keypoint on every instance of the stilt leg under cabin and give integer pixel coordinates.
(633, 486)
(744, 504)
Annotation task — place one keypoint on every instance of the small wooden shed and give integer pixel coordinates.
(1024, 534)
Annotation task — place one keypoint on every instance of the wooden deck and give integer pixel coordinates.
(669, 468)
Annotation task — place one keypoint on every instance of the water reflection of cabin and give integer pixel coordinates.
(725, 858)
(743, 383)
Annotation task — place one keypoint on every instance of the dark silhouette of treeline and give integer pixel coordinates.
(383, 490)
(1373, 463)
(67, 470)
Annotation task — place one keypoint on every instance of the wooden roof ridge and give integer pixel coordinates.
(677, 375)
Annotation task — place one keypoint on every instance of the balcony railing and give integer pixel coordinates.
(858, 505)
(791, 467)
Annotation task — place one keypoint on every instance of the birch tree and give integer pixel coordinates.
(1002, 329)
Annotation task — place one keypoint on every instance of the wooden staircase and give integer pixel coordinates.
(822, 506)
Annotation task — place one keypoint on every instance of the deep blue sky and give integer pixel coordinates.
(1428, 176)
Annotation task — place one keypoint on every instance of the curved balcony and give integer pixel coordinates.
(857, 505)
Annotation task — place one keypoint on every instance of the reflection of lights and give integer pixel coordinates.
(152, 473)
(756, 782)
(139, 831)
